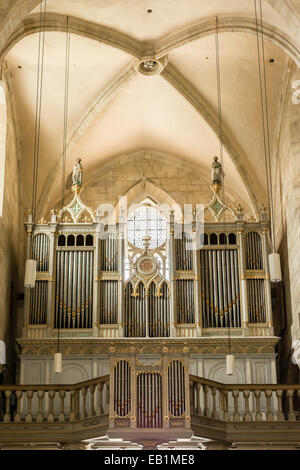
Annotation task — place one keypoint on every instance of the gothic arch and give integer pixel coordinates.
(3, 131)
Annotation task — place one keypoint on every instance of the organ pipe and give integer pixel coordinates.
(176, 388)
(149, 407)
(254, 259)
(122, 388)
(40, 251)
(185, 301)
(221, 294)
(38, 303)
(109, 253)
(108, 302)
(74, 289)
(256, 300)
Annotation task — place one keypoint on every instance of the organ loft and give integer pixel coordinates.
(152, 303)
(149, 225)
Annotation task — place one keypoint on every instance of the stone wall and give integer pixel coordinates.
(286, 186)
(10, 224)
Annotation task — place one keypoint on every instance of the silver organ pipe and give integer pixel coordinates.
(254, 258)
(122, 388)
(183, 256)
(159, 312)
(176, 388)
(109, 253)
(109, 302)
(185, 301)
(256, 300)
(74, 288)
(40, 251)
(220, 287)
(38, 303)
(135, 312)
(149, 400)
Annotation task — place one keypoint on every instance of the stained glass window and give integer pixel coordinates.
(145, 221)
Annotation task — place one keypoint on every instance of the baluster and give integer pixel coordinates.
(92, 398)
(258, 415)
(61, 416)
(236, 415)
(40, 416)
(107, 392)
(19, 394)
(246, 394)
(206, 410)
(77, 392)
(291, 413)
(6, 418)
(214, 413)
(100, 410)
(198, 397)
(51, 395)
(83, 413)
(192, 398)
(72, 405)
(269, 414)
(224, 405)
(280, 415)
(28, 418)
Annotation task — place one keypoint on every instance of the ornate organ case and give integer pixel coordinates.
(203, 301)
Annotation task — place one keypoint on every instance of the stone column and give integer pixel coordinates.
(121, 250)
(244, 297)
(269, 316)
(29, 230)
(197, 303)
(172, 277)
(52, 270)
(165, 402)
(96, 280)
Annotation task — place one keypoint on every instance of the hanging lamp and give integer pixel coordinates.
(57, 360)
(273, 258)
(30, 266)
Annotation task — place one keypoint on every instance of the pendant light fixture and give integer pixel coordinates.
(274, 258)
(230, 356)
(57, 363)
(30, 267)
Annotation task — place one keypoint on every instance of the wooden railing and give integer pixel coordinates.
(54, 403)
(238, 403)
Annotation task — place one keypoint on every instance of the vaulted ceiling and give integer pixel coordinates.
(115, 110)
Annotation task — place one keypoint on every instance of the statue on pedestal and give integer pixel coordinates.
(77, 173)
(217, 172)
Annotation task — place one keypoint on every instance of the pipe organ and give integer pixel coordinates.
(81, 284)
(150, 310)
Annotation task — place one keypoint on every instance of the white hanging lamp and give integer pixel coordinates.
(30, 273)
(230, 364)
(275, 267)
(57, 363)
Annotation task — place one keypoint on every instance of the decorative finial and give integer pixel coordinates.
(263, 213)
(240, 212)
(216, 174)
(77, 176)
(147, 240)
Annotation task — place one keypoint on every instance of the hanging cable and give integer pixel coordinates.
(218, 68)
(63, 171)
(30, 267)
(38, 105)
(265, 112)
